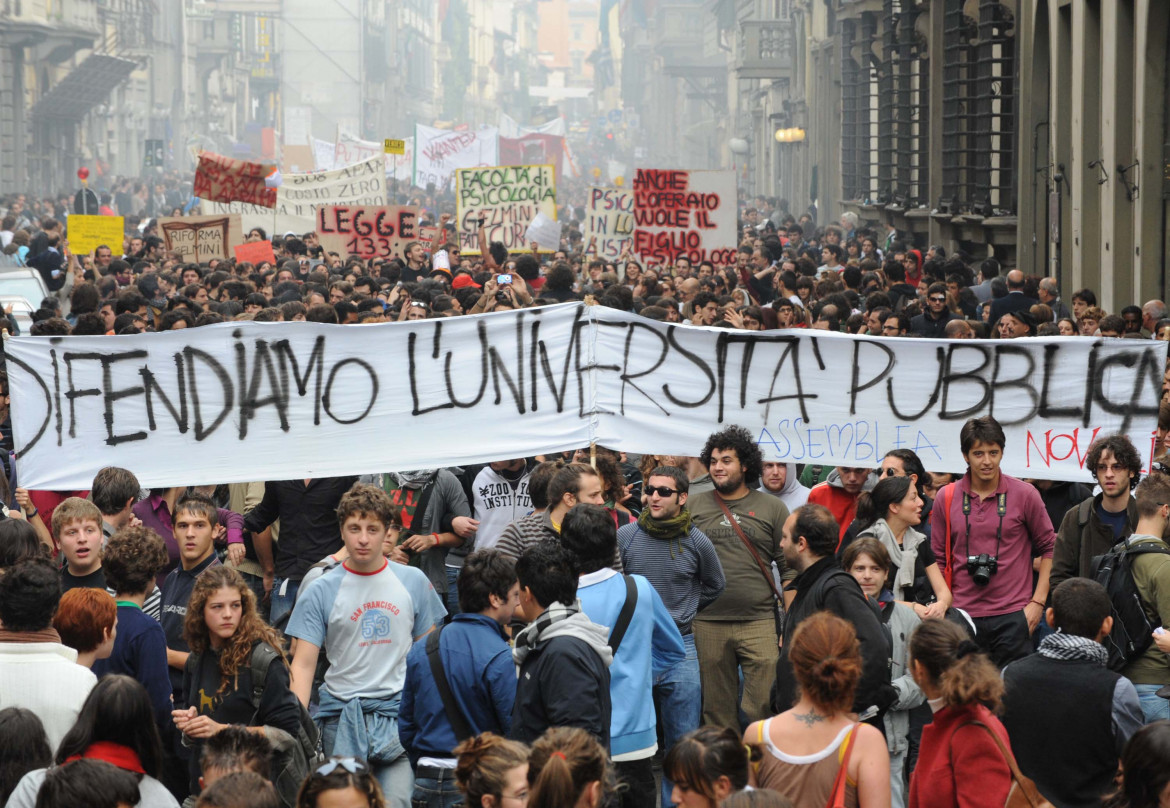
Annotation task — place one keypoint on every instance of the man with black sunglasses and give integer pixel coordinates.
(933, 320)
(682, 565)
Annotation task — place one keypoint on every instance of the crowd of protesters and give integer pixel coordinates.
(591, 629)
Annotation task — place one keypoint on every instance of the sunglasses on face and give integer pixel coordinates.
(661, 490)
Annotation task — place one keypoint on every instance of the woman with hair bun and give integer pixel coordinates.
(959, 761)
(568, 768)
(706, 766)
(817, 748)
(492, 771)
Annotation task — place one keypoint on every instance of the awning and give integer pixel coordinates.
(88, 85)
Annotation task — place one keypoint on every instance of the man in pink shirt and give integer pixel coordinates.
(997, 525)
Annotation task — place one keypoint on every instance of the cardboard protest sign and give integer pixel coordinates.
(201, 238)
(609, 222)
(509, 197)
(299, 197)
(690, 214)
(438, 153)
(223, 179)
(86, 233)
(367, 232)
(280, 398)
(429, 237)
(255, 251)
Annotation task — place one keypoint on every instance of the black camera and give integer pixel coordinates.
(981, 568)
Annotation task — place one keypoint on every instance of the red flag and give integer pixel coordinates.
(222, 179)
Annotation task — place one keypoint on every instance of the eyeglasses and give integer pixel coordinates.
(521, 797)
(351, 765)
(891, 472)
(938, 298)
(661, 490)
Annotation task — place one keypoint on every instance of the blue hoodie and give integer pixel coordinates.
(652, 645)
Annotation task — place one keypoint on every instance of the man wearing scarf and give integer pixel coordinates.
(1068, 715)
(682, 565)
(562, 657)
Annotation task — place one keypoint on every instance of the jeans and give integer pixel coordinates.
(435, 788)
(637, 779)
(284, 595)
(898, 780)
(1154, 707)
(452, 592)
(396, 777)
(678, 700)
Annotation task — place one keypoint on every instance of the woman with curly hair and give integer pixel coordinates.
(492, 772)
(224, 630)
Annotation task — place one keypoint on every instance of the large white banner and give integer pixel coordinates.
(510, 127)
(685, 214)
(259, 401)
(297, 198)
(439, 152)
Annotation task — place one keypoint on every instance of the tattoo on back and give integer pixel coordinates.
(808, 719)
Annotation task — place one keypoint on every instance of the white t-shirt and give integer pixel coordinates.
(368, 621)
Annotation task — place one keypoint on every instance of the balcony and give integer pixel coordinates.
(57, 30)
(765, 50)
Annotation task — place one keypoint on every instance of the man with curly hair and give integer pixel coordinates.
(132, 558)
(1100, 521)
(737, 631)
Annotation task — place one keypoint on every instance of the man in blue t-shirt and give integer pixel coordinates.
(369, 611)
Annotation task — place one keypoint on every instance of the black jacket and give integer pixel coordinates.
(1011, 302)
(826, 587)
(563, 683)
(923, 325)
(1081, 536)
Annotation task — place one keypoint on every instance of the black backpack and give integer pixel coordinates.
(1132, 630)
(293, 757)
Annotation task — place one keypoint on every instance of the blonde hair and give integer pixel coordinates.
(75, 509)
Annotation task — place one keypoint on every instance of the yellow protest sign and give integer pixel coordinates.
(394, 146)
(87, 233)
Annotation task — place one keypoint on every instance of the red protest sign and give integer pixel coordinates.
(684, 214)
(254, 252)
(367, 231)
(222, 179)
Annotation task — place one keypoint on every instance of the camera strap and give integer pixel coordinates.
(1001, 512)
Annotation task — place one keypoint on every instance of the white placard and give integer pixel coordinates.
(439, 152)
(544, 230)
(271, 401)
(684, 214)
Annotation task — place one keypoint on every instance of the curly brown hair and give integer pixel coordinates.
(252, 629)
(132, 558)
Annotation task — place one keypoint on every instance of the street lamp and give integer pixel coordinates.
(792, 135)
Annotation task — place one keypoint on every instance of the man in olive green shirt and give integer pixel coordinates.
(737, 631)
(1151, 575)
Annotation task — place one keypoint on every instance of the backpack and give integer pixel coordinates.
(1132, 631)
(294, 757)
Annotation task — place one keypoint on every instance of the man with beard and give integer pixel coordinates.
(737, 632)
(682, 565)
